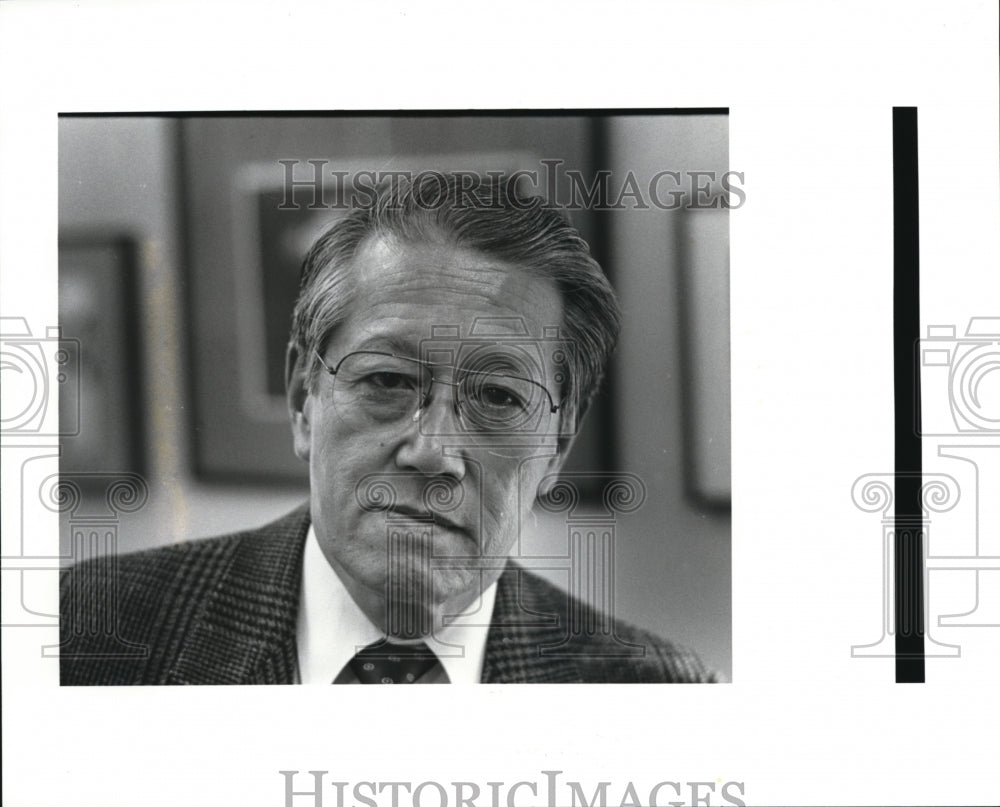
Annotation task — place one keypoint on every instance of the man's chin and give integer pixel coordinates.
(421, 605)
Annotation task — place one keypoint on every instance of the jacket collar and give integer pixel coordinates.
(527, 642)
(244, 632)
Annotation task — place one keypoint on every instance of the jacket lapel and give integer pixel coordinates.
(529, 623)
(245, 631)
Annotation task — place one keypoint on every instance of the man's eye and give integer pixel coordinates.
(389, 381)
(495, 396)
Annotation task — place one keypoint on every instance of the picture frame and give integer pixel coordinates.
(99, 319)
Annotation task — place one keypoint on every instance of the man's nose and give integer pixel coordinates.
(426, 446)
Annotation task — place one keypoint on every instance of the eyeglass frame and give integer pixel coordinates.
(429, 366)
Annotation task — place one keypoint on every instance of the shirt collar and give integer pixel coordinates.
(331, 627)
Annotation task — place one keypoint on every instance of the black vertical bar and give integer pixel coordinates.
(909, 565)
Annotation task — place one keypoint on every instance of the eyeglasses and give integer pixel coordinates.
(373, 387)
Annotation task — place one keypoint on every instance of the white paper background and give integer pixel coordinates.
(810, 87)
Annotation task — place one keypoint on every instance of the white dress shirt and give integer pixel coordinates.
(332, 628)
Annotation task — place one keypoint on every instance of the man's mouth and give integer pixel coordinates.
(425, 515)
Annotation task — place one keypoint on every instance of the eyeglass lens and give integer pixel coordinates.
(381, 388)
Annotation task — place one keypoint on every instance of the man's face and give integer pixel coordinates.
(402, 292)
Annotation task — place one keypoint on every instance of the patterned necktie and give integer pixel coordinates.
(388, 663)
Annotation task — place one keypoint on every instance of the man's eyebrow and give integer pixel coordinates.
(388, 343)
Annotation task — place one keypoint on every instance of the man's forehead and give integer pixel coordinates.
(388, 264)
(406, 292)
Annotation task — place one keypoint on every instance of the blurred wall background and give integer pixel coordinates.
(667, 417)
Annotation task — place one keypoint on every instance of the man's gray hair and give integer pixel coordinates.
(490, 217)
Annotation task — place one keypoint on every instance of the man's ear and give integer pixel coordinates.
(299, 400)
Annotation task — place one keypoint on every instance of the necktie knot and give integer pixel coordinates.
(388, 663)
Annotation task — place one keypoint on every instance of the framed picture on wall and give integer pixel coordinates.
(703, 329)
(100, 396)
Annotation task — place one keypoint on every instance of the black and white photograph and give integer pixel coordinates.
(570, 510)
(592, 344)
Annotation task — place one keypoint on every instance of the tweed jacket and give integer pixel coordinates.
(223, 611)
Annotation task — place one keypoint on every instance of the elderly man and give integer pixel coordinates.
(446, 342)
